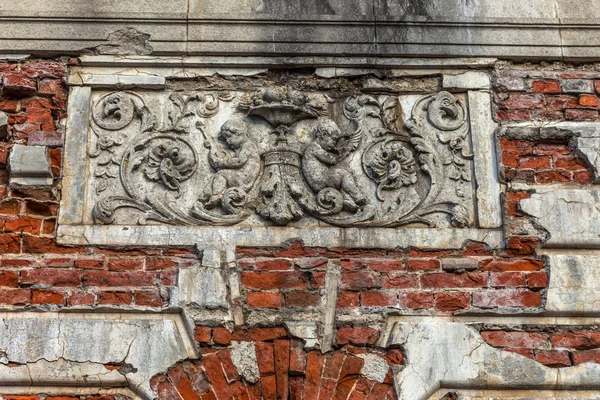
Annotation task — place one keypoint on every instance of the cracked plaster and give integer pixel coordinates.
(464, 360)
(71, 349)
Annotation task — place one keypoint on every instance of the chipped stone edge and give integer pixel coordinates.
(75, 157)
(117, 81)
(257, 61)
(211, 237)
(69, 391)
(483, 128)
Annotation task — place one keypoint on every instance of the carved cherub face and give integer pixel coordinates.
(233, 132)
(328, 134)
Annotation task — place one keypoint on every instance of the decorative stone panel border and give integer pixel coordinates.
(388, 173)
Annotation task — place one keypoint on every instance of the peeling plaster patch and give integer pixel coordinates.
(463, 359)
(374, 368)
(560, 212)
(243, 356)
(307, 331)
(126, 41)
(61, 372)
(55, 348)
(202, 286)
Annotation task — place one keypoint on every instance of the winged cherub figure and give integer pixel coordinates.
(321, 162)
(237, 166)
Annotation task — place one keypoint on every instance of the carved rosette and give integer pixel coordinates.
(280, 156)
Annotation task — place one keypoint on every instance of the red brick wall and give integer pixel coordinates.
(408, 279)
(35, 271)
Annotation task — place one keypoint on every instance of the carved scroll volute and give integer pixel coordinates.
(354, 163)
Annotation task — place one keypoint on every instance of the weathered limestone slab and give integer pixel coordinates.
(486, 163)
(60, 372)
(75, 156)
(574, 283)
(353, 10)
(71, 348)
(122, 81)
(243, 236)
(464, 360)
(241, 64)
(515, 394)
(3, 124)
(29, 166)
(470, 80)
(70, 391)
(571, 217)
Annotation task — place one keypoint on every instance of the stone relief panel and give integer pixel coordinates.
(280, 157)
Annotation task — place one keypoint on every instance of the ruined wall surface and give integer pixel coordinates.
(203, 205)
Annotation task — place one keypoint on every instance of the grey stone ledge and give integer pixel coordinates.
(262, 61)
(211, 237)
(29, 166)
(117, 81)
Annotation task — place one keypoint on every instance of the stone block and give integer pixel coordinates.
(3, 125)
(29, 166)
(201, 286)
(577, 86)
(469, 80)
(457, 265)
(574, 283)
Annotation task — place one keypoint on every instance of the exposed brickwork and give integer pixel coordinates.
(559, 348)
(542, 162)
(529, 95)
(286, 370)
(400, 279)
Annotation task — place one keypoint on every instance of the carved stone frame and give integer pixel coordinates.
(151, 73)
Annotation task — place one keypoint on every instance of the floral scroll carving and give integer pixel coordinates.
(279, 156)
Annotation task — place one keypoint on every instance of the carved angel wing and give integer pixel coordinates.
(349, 143)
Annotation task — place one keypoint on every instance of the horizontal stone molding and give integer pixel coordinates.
(532, 29)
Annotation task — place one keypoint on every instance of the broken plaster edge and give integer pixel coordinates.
(178, 317)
